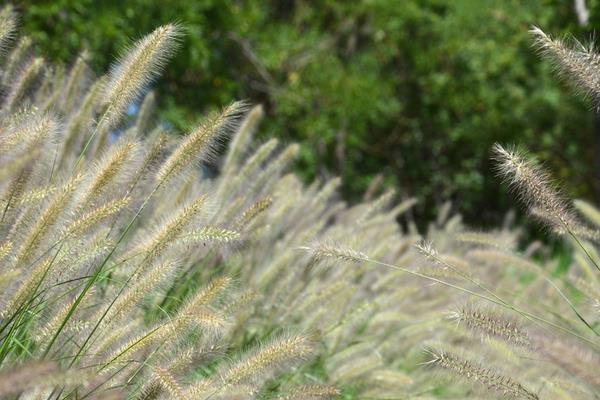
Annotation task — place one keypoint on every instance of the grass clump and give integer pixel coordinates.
(127, 272)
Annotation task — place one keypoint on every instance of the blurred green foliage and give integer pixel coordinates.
(416, 90)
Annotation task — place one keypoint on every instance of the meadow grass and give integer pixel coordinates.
(128, 271)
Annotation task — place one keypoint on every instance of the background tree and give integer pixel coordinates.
(414, 90)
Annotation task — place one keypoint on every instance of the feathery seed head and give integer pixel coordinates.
(89, 220)
(25, 83)
(577, 63)
(26, 135)
(311, 392)
(199, 143)
(255, 209)
(493, 325)
(5, 249)
(112, 165)
(131, 297)
(426, 248)
(329, 250)
(35, 195)
(137, 69)
(16, 60)
(8, 25)
(476, 373)
(532, 184)
(279, 353)
(171, 229)
(169, 383)
(210, 234)
(205, 296)
(243, 136)
(46, 220)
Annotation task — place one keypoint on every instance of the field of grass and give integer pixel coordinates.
(139, 264)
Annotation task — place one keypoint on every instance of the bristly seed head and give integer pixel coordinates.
(476, 373)
(493, 325)
(533, 186)
(331, 250)
(427, 249)
(137, 68)
(200, 142)
(577, 63)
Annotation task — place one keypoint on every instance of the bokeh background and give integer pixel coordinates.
(415, 92)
